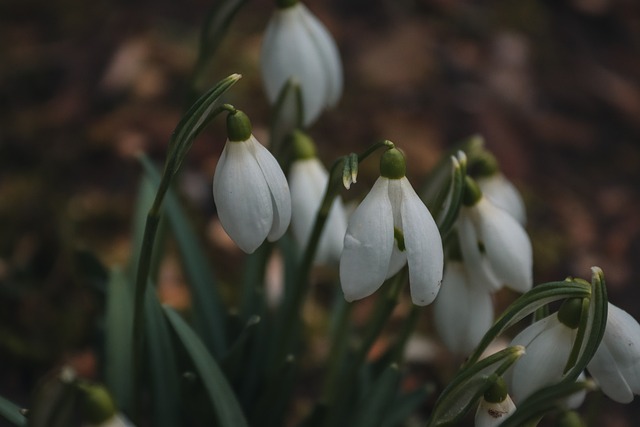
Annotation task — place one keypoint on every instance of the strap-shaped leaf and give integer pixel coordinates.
(165, 384)
(377, 398)
(118, 336)
(221, 396)
(208, 313)
(11, 412)
(466, 388)
(528, 303)
(193, 122)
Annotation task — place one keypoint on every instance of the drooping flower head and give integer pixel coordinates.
(391, 228)
(615, 365)
(297, 46)
(495, 186)
(249, 188)
(495, 247)
(495, 406)
(463, 310)
(308, 181)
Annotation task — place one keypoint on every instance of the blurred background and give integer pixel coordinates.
(553, 86)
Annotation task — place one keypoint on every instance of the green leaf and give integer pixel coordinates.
(528, 303)
(118, 337)
(403, 406)
(221, 396)
(213, 31)
(374, 403)
(544, 401)
(193, 122)
(11, 412)
(163, 372)
(466, 388)
(208, 312)
(450, 215)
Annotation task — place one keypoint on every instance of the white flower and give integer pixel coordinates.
(463, 311)
(548, 343)
(502, 193)
(493, 414)
(251, 194)
(391, 228)
(495, 247)
(616, 364)
(297, 46)
(307, 182)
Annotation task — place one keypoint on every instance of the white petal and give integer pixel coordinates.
(367, 244)
(605, 372)
(288, 51)
(308, 179)
(502, 193)
(544, 361)
(462, 313)
(280, 196)
(620, 345)
(507, 245)
(398, 258)
(493, 414)
(423, 247)
(328, 50)
(478, 267)
(242, 197)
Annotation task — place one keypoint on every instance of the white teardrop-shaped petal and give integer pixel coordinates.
(616, 364)
(328, 50)
(502, 193)
(544, 359)
(423, 244)
(308, 180)
(242, 196)
(604, 370)
(463, 313)
(367, 244)
(507, 245)
(278, 187)
(288, 51)
(478, 267)
(622, 337)
(493, 414)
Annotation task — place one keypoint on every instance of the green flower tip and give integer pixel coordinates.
(238, 126)
(483, 164)
(283, 4)
(392, 164)
(98, 404)
(497, 392)
(472, 193)
(303, 146)
(570, 312)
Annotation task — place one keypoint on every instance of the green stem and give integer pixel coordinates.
(339, 340)
(290, 320)
(340, 397)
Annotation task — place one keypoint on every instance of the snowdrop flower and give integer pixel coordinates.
(297, 46)
(495, 406)
(308, 181)
(249, 188)
(494, 185)
(503, 194)
(616, 364)
(463, 311)
(391, 228)
(494, 246)
(548, 344)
